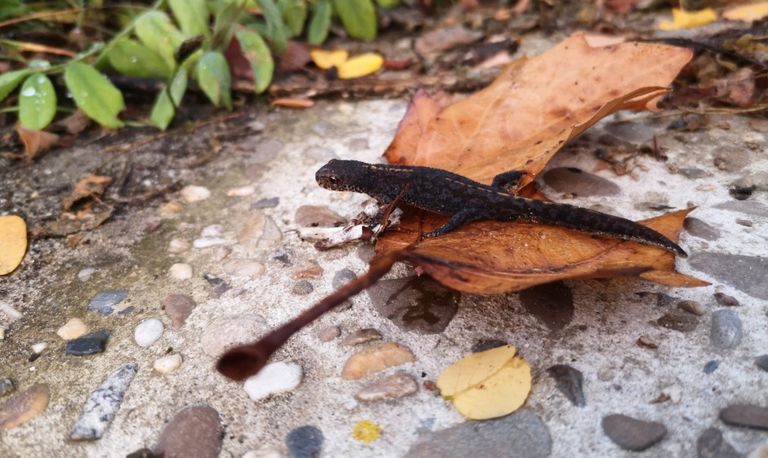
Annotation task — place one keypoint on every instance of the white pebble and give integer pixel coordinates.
(180, 271)
(214, 230)
(72, 329)
(177, 246)
(11, 312)
(273, 379)
(241, 191)
(148, 331)
(244, 268)
(264, 452)
(168, 363)
(85, 274)
(39, 347)
(212, 241)
(194, 193)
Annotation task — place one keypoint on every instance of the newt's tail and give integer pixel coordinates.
(598, 223)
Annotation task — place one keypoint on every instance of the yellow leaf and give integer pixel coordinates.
(366, 431)
(13, 243)
(327, 59)
(747, 13)
(488, 384)
(361, 65)
(682, 19)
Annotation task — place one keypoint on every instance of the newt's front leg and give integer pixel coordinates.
(456, 220)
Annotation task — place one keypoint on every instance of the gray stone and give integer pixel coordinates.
(487, 344)
(104, 301)
(731, 159)
(692, 307)
(711, 366)
(391, 387)
(342, 277)
(757, 181)
(726, 331)
(762, 362)
(302, 288)
(633, 434)
(746, 273)
(361, 336)
(748, 415)
(552, 304)
(573, 181)
(724, 299)
(6, 386)
(417, 304)
(693, 172)
(570, 382)
(520, 435)
(678, 321)
(711, 444)
(194, 431)
(700, 229)
(304, 442)
(749, 207)
(95, 342)
(272, 202)
(102, 405)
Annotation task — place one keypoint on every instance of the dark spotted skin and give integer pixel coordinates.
(465, 200)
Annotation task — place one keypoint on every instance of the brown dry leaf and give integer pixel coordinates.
(35, 141)
(492, 257)
(90, 187)
(24, 406)
(534, 106)
(13, 243)
(91, 216)
(293, 103)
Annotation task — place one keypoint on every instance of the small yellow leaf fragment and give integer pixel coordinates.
(13, 243)
(361, 65)
(747, 13)
(366, 431)
(488, 384)
(327, 59)
(682, 19)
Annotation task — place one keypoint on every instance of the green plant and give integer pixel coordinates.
(174, 40)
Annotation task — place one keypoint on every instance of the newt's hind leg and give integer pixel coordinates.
(457, 219)
(508, 181)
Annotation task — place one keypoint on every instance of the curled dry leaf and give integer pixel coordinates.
(487, 384)
(293, 103)
(90, 187)
(36, 141)
(13, 243)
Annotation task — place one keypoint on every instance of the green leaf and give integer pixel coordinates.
(132, 58)
(214, 79)
(277, 32)
(155, 30)
(226, 19)
(37, 102)
(258, 55)
(9, 81)
(320, 23)
(192, 16)
(94, 94)
(294, 13)
(168, 100)
(388, 3)
(358, 17)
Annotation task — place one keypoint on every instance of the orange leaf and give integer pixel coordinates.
(293, 103)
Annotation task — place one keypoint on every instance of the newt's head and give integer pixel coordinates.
(341, 175)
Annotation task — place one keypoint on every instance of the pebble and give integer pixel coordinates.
(219, 285)
(192, 432)
(375, 359)
(552, 304)
(417, 304)
(632, 434)
(749, 207)
(317, 216)
(391, 387)
(731, 159)
(272, 202)
(700, 229)
(487, 344)
(342, 277)
(570, 382)
(193, 193)
(692, 307)
(693, 172)
(711, 366)
(147, 332)
(72, 329)
(242, 191)
(167, 363)
(39, 347)
(274, 378)
(304, 442)
(244, 268)
(264, 452)
(211, 241)
(23, 406)
(328, 333)
(762, 362)
(220, 252)
(648, 342)
(177, 246)
(6, 386)
(95, 342)
(180, 271)
(86, 274)
(726, 331)
(105, 301)
(748, 415)
(102, 405)
(745, 273)
(9, 311)
(362, 336)
(521, 434)
(576, 182)
(726, 300)
(169, 209)
(302, 288)
(259, 232)
(178, 307)
(307, 269)
(228, 331)
(711, 444)
(678, 321)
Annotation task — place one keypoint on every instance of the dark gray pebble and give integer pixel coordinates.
(726, 300)
(700, 229)
(726, 331)
(302, 288)
(95, 342)
(219, 285)
(102, 404)
(745, 273)
(272, 202)
(711, 366)
(633, 434)
(711, 444)
(342, 277)
(570, 382)
(762, 362)
(6, 386)
(678, 320)
(104, 301)
(304, 442)
(748, 415)
(552, 304)
(487, 344)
